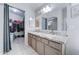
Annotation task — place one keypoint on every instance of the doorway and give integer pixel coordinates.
(16, 25)
(14, 19)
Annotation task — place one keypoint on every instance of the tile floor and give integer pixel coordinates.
(19, 48)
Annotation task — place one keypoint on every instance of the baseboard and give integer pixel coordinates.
(1, 52)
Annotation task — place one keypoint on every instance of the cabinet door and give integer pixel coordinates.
(29, 40)
(40, 47)
(51, 51)
(33, 43)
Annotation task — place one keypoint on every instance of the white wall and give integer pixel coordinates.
(28, 13)
(72, 45)
(1, 27)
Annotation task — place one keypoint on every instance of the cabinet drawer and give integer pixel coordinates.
(51, 51)
(33, 36)
(28, 35)
(55, 45)
(44, 41)
(38, 38)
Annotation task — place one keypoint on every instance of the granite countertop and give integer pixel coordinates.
(56, 38)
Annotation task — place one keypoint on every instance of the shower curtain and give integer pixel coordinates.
(7, 43)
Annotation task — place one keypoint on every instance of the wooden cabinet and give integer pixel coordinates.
(44, 46)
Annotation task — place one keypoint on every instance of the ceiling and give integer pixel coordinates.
(32, 6)
(16, 11)
(35, 6)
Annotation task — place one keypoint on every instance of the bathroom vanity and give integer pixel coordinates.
(47, 44)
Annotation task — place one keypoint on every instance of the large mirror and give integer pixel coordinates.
(55, 20)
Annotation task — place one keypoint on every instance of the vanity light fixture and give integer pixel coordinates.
(31, 18)
(15, 10)
(46, 9)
